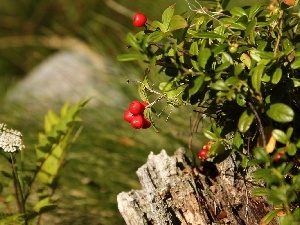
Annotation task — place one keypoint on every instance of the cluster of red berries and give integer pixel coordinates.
(139, 20)
(135, 115)
(202, 154)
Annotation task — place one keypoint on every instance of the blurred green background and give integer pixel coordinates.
(103, 160)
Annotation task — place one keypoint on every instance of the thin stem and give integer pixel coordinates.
(18, 188)
(260, 127)
(192, 131)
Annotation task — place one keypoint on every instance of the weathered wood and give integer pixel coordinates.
(174, 192)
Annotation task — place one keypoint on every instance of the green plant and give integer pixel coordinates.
(39, 183)
(240, 69)
(139, 20)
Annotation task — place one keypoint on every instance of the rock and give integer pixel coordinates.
(69, 74)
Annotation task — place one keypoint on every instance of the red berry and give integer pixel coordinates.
(137, 122)
(147, 123)
(202, 153)
(136, 107)
(139, 20)
(145, 104)
(278, 156)
(128, 116)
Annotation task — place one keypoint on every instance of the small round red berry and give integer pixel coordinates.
(137, 122)
(136, 107)
(278, 156)
(139, 20)
(145, 104)
(128, 116)
(147, 123)
(202, 154)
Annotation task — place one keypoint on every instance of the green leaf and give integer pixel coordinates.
(203, 56)
(197, 84)
(54, 141)
(238, 68)
(156, 36)
(256, 77)
(281, 113)
(148, 115)
(167, 16)
(237, 141)
(177, 22)
(260, 191)
(210, 135)
(157, 25)
(246, 60)
(241, 100)
(250, 31)
(245, 120)
(132, 41)
(210, 35)
(237, 11)
(280, 136)
(130, 57)
(270, 216)
(254, 10)
(194, 51)
(238, 26)
(296, 64)
(291, 149)
(223, 66)
(219, 85)
(276, 76)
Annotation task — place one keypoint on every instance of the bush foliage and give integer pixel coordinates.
(240, 69)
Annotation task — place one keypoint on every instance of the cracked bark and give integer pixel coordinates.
(174, 192)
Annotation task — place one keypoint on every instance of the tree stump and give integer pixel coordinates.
(174, 192)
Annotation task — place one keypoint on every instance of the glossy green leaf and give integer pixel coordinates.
(203, 56)
(157, 25)
(237, 141)
(130, 57)
(167, 16)
(281, 113)
(280, 136)
(250, 31)
(219, 85)
(132, 41)
(156, 36)
(241, 100)
(237, 11)
(197, 84)
(291, 149)
(210, 35)
(246, 60)
(238, 26)
(254, 10)
(194, 52)
(296, 64)
(238, 68)
(276, 77)
(245, 120)
(223, 66)
(177, 22)
(256, 77)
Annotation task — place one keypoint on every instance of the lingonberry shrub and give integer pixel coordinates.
(240, 69)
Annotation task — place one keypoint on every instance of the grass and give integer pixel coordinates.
(103, 160)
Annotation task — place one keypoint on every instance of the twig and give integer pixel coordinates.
(260, 127)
